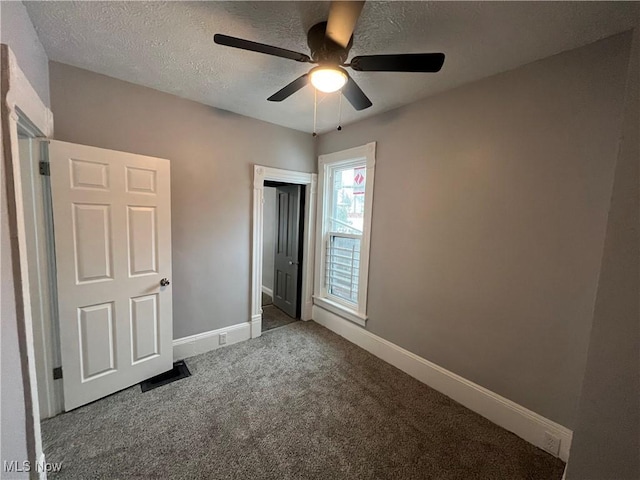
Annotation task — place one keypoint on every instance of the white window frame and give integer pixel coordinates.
(326, 165)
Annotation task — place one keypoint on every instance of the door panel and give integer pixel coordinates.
(92, 249)
(112, 223)
(144, 327)
(140, 180)
(285, 295)
(97, 347)
(142, 240)
(89, 175)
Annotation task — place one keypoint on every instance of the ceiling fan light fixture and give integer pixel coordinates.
(328, 79)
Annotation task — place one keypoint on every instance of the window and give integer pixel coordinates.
(344, 225)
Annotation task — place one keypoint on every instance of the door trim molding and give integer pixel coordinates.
(19, 99)
(260, 174)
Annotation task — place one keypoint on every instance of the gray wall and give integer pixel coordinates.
(607, 435)
(16, 31)
(489, 218)
(212, 152)
(269, 237)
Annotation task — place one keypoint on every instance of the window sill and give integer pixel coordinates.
(340, 310)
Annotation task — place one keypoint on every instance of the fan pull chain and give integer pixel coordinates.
(315, 110)
(340, 110)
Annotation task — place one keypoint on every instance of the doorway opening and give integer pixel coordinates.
(282, 258)
(283, 230)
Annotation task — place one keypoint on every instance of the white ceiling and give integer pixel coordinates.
(169, 46)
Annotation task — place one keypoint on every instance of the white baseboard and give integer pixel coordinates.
(307, 311)
(203, 342)
(256, 325)
(42, 472)
(267, 290)
(503, 412)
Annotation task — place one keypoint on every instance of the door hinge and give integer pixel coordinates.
(44, 169)
(57, 373)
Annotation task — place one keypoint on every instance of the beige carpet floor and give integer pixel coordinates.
(298, 403)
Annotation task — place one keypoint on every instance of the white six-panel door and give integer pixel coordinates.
(112, 223)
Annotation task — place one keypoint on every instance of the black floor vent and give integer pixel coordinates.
(179, 370)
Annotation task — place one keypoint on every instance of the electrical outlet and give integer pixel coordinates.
(223, 338)
(551, 444)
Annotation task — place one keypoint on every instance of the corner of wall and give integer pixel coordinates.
(607, 433)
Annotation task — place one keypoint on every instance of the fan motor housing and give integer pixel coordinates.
(325, 50)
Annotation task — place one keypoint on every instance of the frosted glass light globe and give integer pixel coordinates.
(328, 79)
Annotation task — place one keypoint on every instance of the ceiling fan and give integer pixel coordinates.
(330, 43)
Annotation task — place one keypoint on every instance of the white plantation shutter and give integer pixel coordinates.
(342, 266)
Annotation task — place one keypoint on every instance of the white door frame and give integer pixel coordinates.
(22, 102)
(38, 250)
(39, 253)
(310, 180)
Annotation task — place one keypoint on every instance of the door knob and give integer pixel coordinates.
(164, 282)
(292, 263)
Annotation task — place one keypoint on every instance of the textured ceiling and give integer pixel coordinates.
(169, 46)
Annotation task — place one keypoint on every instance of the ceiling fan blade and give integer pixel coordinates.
(290, 89)
(342, 20)
(409, 62)
(259, 47)
(355, 95)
